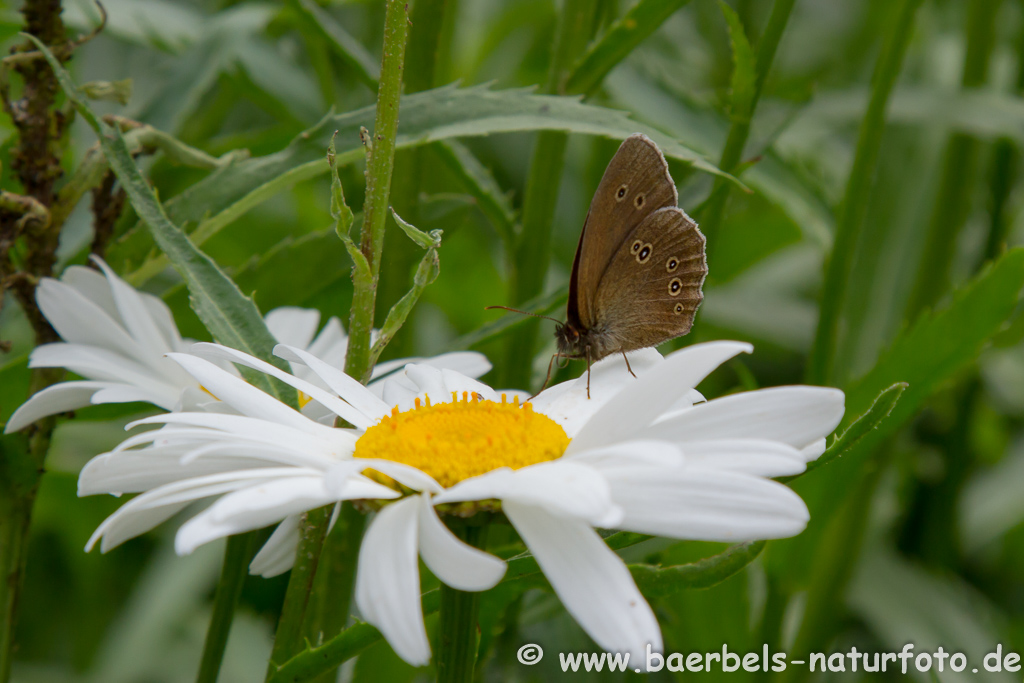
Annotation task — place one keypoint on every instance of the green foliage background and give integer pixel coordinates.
(917, 531)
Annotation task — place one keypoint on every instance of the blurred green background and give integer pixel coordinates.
(917, 536)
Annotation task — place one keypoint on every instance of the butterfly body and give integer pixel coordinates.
(640, 264)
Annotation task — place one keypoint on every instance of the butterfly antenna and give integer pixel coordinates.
(516, 310)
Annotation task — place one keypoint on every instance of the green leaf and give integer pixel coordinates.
(619, 40)
(340, 210)
(939, 345)
(426, 273)
(350, 50)
(493, 202)
(657, 582)
(230, 316)
(744, 71)
(429, 116)
(424, 240)
(851, 436)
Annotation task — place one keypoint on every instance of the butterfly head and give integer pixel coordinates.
(569, 340)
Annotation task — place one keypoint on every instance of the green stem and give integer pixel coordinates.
(833, 566)
(533, 255)
(1004, 173)
(956, 185)
(237, 554)
(333, 584)
(739, 129)
(429, 19)
(21, 470)
(457, 623)
(851, 217)
(379, 168)
(289, 636)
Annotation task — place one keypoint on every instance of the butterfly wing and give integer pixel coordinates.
(651, 289)
(635, 185)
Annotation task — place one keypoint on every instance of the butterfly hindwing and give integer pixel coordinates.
(635, 185)
(650, 291)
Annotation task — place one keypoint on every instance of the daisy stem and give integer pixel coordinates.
(232, 576)
(290, 627)
(379, 167)
(457, 627)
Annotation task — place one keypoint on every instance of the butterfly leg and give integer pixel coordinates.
(588, 372)
(548, 378)
(625, 358)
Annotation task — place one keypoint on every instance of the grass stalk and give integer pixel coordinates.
(237, 555)
(532, 256)
(956, 184)
(820, 368)
(739, 128)
(379, 169)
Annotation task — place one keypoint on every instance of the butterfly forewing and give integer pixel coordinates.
(651, 289)
(635, 185)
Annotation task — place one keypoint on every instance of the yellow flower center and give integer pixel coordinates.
(463, 439)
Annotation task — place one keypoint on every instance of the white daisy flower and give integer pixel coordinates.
(117, 339)
(640, 456)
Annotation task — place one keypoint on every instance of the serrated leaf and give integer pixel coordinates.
(940, 344)
(860, 427)
(744, 77)
(340, 211)
(426, 272)
(619, 40)
(230, 316)
(425, 240)
(429, 116)
(656, 582)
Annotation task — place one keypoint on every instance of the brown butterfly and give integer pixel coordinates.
(636, 280)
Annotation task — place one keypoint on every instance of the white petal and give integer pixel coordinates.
(239, 394)
(331, 345)
(593, 583)
(405, 475)
(707, 505)
(58, 398)
(630, 454)
(149, 509)
(814, 451)
(639, 403)
(351, 391)
(91, 284)
(798, 416)
(316, 445)
(292, 325)
(561, 487)
(468, 363)
(80, 321)
(101, 364)
(124, 393)
(136, 471)
(253, 507)
(388, 581)
(456, 564)
(325, 398)
(135, 313)
(751, 456)
(278, 554)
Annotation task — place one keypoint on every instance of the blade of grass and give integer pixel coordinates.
(230, 316)
(235, 568)
(820, 368)
(576, 25)
(346, 47)
(746, 91)
(621, 38)
(957, 183)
